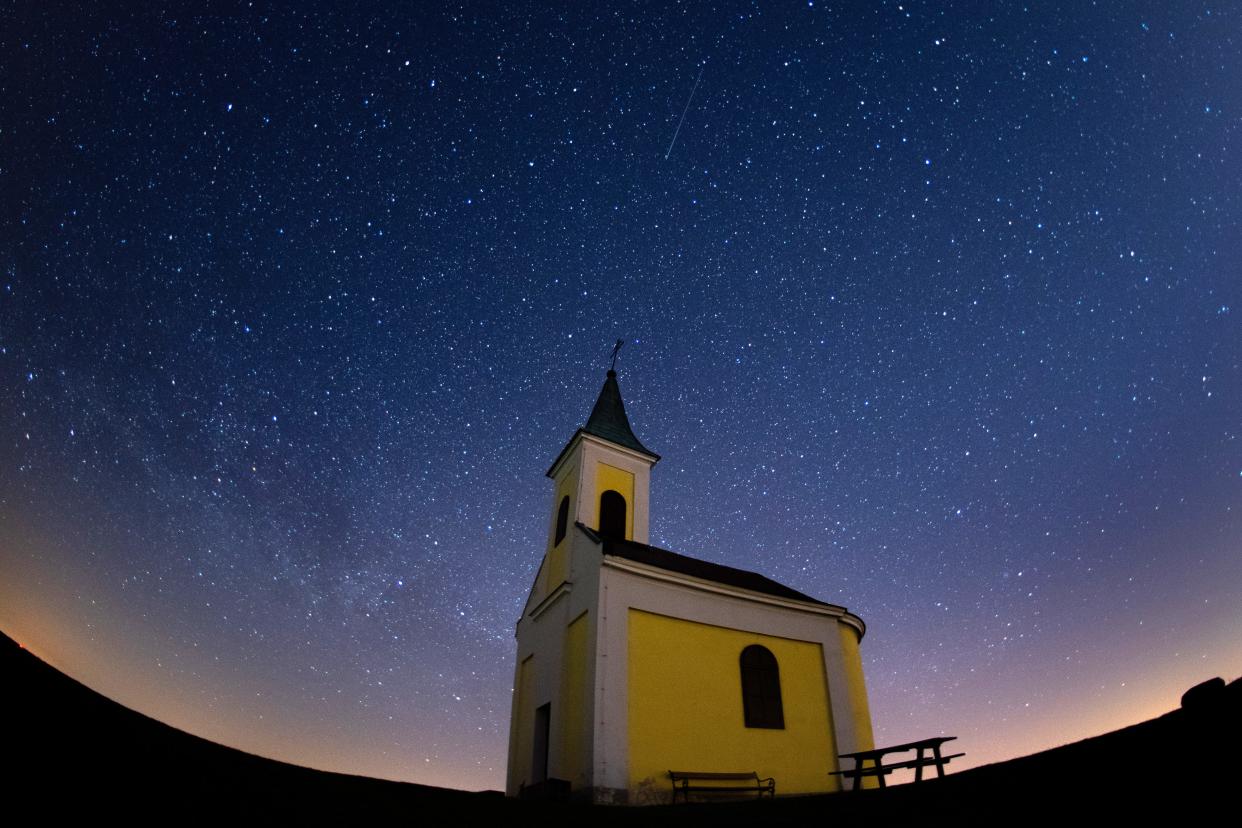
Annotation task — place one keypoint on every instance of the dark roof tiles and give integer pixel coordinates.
(608, 418)
(695, 568)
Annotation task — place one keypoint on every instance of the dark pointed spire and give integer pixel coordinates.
(608, 418)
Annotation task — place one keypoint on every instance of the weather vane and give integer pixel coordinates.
(615, 349)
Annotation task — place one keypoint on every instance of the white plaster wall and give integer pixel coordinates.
(541, 632)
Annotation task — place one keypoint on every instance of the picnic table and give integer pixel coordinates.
(879, 769)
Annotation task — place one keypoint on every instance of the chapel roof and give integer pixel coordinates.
(608, 422)
(608, 418)
(685, 565)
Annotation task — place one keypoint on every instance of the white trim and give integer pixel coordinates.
(564, 588)
(564, 455)
(646, 459)
(680, 579)
(585, 437)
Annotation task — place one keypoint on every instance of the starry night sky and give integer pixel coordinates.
(932, 312)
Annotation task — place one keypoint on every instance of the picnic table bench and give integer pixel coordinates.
(879, 769)
(719, 783)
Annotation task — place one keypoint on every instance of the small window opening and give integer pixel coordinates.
(761, 689)
(612, 514)
(562, 520)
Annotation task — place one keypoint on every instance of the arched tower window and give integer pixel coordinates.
(562, 520)
(761, 689)
(612, 514)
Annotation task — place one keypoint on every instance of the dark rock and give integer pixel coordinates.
(1207, 694)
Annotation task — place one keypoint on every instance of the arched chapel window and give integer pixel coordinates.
(612, 514)
(562, 520)
(761, 689)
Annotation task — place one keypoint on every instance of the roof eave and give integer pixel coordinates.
(583, 434)
(806, 603)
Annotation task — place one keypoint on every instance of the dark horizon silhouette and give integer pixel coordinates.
(81, 752)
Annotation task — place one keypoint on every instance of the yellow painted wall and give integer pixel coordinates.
(620, 481)
(524, 721)
(857, 689)
(574, 678)
(685, 708)
(556, 569)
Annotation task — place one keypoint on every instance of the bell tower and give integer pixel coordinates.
(602, 477)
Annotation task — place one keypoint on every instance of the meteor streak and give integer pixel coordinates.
(683, 114)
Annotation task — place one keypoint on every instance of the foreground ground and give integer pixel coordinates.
(72, 751)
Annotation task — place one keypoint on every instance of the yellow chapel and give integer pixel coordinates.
(633, 660)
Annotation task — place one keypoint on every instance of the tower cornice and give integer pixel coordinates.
(583, 436)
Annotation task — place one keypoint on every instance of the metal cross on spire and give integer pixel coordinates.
(615, 349)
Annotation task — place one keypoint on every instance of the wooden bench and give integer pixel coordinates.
(720, 783)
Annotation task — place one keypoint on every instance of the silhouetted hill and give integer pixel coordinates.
(90, 751)
(73, 750)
